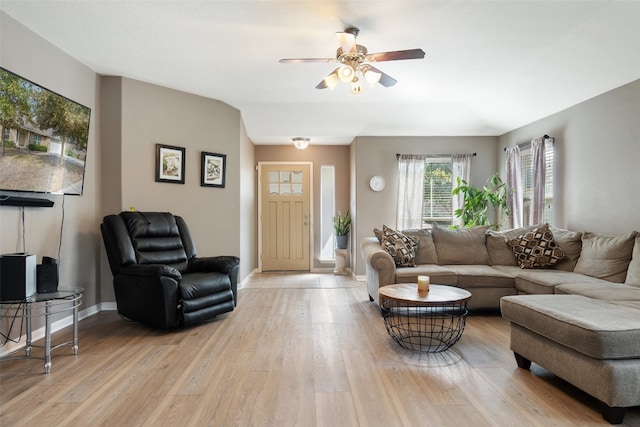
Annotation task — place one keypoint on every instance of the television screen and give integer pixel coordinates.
(44, 138)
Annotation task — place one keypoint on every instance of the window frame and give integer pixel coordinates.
(427, 220)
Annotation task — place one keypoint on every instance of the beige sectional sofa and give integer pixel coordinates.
(578, 317)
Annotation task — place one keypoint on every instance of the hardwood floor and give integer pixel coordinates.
(299, 350)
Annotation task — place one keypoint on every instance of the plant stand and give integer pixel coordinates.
(341, 262)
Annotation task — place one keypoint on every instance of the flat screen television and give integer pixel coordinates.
(44, 139)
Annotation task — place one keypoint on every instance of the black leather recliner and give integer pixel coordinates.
(158, 279)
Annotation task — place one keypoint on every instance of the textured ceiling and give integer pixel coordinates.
(490, 66)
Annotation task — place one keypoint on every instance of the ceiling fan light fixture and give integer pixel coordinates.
(356, 86)
(332, 80)
(347, 42)
(346, 73)
(372, 77)
(300, 142)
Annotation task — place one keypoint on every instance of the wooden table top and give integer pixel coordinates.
(438, 294)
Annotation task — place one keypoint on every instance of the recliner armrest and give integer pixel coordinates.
(151, 270)
(222, 264)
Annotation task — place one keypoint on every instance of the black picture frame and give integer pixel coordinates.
(170, 164)
(214, 170)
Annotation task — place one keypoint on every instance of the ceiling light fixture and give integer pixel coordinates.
(354, 63)
(300, 142)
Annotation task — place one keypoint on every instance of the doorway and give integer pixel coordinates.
(285, 223)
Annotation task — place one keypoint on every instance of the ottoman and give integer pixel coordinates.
(592, 344)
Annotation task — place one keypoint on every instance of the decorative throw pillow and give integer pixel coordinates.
(401, 247)
(536, 248)
(499, 251)
(378, 233)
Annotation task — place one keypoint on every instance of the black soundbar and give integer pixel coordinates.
(25, 201)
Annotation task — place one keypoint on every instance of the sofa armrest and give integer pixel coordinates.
(379, 260)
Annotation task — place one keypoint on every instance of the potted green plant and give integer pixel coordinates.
(341, 228)
(478, 200)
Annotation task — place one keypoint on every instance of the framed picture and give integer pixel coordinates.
(170, 164)
(214, 169)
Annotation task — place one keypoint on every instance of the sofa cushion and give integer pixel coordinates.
(633, 272)
(543, 281)
(606, 257)
(496, 241)
(536, 248)
(571, 244)
(481, 276)
(426, 252)
(439, 275)
(598, 329)
(460, 246)
(602, 291)
(401, 247)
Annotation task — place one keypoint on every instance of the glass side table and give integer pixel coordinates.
(44, 305)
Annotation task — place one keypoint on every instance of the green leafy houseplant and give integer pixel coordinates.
(342, 223)
(341, 227)
(477, 202)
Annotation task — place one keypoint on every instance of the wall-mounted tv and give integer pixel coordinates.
(44, 138)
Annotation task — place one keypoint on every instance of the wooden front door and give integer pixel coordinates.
(285, 216)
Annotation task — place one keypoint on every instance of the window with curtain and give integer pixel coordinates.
(425, 183)
(437, 199)
(526, 156)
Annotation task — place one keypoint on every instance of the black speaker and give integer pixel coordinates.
(17, 276)
(47, 276)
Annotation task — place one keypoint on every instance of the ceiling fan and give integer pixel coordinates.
(355, 63)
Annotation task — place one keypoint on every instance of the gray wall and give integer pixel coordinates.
(377, 156)
(131, 116)
(150, 115)
(597, 151)
(28, 55)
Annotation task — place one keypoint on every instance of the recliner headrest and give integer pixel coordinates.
(150, 224)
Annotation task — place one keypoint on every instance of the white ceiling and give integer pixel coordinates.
(490, 66)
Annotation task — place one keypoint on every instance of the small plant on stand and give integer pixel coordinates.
(341, 228)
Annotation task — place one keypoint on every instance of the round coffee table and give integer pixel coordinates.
(430, 322)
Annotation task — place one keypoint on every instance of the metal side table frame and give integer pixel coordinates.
(44, 305)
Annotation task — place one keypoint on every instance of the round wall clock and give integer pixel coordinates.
(376, 183)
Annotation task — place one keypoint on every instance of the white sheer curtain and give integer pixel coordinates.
(515, 191)
(410, 191)
(460, 168)
(536, 213)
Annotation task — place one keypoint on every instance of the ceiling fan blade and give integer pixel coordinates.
(330, 81)
(301, 60)
(347, 42)
(385, 79)
(398, 55)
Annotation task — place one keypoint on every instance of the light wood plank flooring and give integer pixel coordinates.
(299, 350)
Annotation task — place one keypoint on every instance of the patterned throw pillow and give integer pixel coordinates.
(536, 248)
(401, 247)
